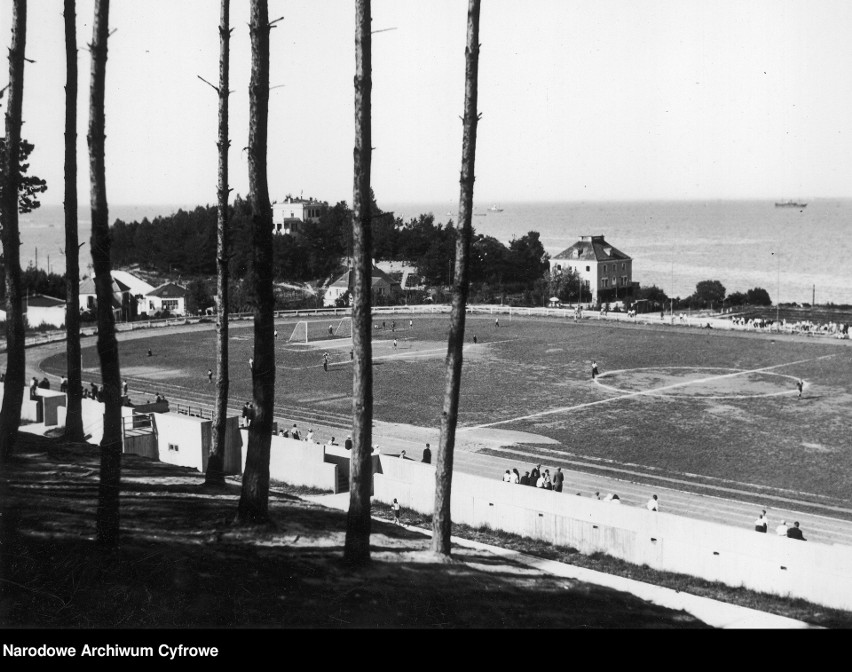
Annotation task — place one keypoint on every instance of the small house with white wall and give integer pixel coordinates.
(606, 272)
(41, 309)
(169, 297)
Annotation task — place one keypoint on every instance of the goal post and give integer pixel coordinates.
(344, 328)
(300, 333)
(308, 331)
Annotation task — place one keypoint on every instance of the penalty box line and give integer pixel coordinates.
(640, 393)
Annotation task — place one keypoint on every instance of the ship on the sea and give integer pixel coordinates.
(494, 208)
(790, 204)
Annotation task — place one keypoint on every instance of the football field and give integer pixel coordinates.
(670, 404)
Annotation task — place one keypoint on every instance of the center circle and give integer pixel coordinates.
(698, 382)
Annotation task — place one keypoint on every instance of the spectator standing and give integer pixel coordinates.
(310, 437)
(34, 387)
(63, 384)
(294, 433)
(474, 339)
(251, 364)
(348, 443)
(535, 474)
(244, 415)
(653, 504)
(795, 533)
(558, 479)
(427, 455)
(525, 479)
(124, 388)
(762, 522)
(401, 454)
(507, 477)
(325, 361)
(44, 384)
(395, 508)
(516, 476)
(548, 483)
(209, 375)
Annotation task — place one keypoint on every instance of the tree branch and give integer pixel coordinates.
(215, 88)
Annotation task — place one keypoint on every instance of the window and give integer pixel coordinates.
(588, 269)
(170, 304)
(624, 280)
(173, 447)
(623, 267)
(605, 282)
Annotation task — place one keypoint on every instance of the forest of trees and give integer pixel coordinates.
(185, 242)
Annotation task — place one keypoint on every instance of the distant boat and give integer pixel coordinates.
(790, 204)
(479, 214)
(494, 208)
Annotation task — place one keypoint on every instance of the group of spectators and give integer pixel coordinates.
(36, 384)
(782, 530)
(537, 478)
(541, 478)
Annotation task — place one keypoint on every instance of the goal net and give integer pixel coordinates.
(308, 331)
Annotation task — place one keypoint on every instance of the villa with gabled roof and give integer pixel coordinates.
(606, 271)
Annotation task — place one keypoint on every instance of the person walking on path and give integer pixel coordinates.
(762, 522)
(653, 504)
(594, 369)
(395, 508)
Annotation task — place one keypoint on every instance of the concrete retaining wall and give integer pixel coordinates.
(297, 463)
(819, 573)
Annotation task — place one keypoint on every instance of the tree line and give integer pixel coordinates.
(185, 242)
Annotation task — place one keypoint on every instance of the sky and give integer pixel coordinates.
(581, 100)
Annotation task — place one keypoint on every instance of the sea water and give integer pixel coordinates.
(795, 254)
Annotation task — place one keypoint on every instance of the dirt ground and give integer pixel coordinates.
(182, 564)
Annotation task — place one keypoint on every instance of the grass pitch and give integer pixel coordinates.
(702, 406)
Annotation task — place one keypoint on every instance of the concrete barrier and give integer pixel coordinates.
(819, 573)
(186, 440)
(297, 463)
(51, 401)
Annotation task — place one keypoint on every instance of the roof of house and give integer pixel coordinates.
(87, 286)
(591, 248)
(43, 301)
(168, 290)
(378, 276)
(135, 285)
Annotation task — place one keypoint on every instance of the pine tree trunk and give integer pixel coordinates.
(441, 520)
(357, 547)
(110, 473)
(215, 474)
(254, 500)
(74, 394)
(13, 390)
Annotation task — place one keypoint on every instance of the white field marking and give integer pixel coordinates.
(654, 393)
(429, 353)
(646, 393)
